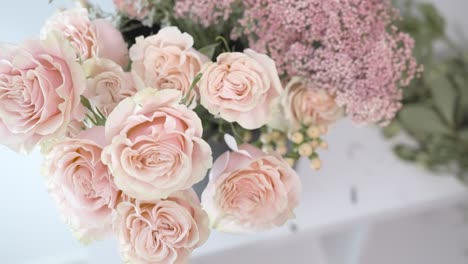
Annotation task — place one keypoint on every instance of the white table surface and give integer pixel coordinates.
(32, 231)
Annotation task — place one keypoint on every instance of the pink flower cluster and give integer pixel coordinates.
(204, 12)
(349, 48)
(135, 9)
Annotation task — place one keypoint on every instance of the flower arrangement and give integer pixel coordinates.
(127, 109)
(440, 98)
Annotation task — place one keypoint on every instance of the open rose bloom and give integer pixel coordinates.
(81, 184)
(250, 191)
(155, 146)
(161, 230)
(130, 111)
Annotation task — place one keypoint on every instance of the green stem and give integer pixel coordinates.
(236, 133)
(226, 45)
(192, 86)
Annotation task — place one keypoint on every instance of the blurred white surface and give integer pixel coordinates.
(358, 162)
(438, 236)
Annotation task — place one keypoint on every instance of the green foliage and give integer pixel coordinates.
(444, 95)
(94, 115)
(435, 107)
(206, 36)
(132, 28)
(209, 50)
(422, 120)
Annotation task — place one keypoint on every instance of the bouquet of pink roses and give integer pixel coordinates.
(127, 132)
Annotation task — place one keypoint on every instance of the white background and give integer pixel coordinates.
(32, 232)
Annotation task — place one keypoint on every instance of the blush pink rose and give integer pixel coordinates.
(107, 84)
(241, 87)
(166, 60)
(134, 9)
(161, 231)
(302, 102)
(81, 184)
(97, 38)
(40, 88)
(250, 191)
(155, 145)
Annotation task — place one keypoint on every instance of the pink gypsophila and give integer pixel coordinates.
(348, 47)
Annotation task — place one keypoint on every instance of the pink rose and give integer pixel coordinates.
(302, 102)
(250, 191)
(161, 231)
(97, 38)
(107, 83)
(166, 61)
(134, 9)
(241, 87)
(40, 88)
(81, 184)
(155, 145)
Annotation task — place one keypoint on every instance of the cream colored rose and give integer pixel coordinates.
(155, 145)
(107, 84)
(241, 87)
(166, 61)
(81, 184)
(301, 101)
(250, 191)
(162, 231)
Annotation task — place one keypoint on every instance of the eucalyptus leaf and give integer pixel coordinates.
(444, 95)
(463, 133)
(435, 108)
(392, 129)
(444, 150)
(462, 84)
(435, 21)
(420, 120)
(209, 50)
(405, 152)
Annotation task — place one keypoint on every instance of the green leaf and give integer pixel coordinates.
(391, 130)
(85, 102)
(91, 119)
(462, 85)
(209, 50)
(443, 149)
(421, 120)
(462, 102)
(423, 158)
(97, 117)
(433, 18)
(463, 133)
(192, 86)
(225, 42)
(405, 152)
(444, 95)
